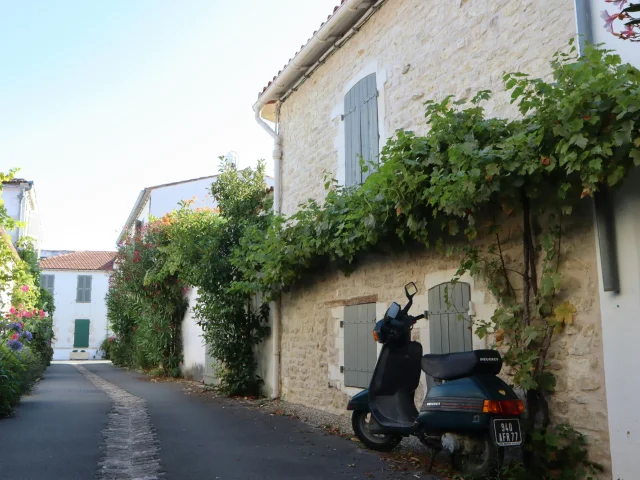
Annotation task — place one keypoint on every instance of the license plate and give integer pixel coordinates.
(507, 432)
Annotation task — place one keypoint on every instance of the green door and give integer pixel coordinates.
(81, 334)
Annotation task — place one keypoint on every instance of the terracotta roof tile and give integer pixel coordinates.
(80, 261)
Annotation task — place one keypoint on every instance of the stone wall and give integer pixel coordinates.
(424, 50)
(419, 50)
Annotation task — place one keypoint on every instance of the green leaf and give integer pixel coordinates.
(551, 440)
(635, 154)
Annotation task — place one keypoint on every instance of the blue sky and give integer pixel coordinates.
(101, 99)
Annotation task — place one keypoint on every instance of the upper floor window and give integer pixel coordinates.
(361, 130)
(83, 294)
(47, 282)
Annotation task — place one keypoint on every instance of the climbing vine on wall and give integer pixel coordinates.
(458, 186)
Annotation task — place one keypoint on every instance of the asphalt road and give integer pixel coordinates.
(90, 422)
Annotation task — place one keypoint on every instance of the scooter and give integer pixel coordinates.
(469, 411)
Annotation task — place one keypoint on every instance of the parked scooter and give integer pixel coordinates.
(469, 412)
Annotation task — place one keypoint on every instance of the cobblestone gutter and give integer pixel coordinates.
(130, 445)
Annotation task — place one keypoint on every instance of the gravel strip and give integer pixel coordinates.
(130, 445)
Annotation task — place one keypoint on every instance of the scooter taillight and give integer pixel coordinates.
(505, 407)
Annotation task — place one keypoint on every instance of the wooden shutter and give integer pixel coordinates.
(450, 326)
(81, 334)
(369, 125)
(47, 282)
(361, 129)
(83, 294)
(360, 350)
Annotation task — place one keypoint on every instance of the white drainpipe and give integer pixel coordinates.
(275, 331)
(327, 40)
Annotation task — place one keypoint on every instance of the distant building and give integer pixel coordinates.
(79, 282)
(20, 200)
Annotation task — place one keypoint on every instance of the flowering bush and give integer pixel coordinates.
(21, 363)
(622, 16)
(145, 314)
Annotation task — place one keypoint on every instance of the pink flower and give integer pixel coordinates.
(15, 336)
(28, 314)
(628, 32)
(618, 3)
(25, 288)
(13, 310)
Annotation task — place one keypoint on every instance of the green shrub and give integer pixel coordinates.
(19, 371)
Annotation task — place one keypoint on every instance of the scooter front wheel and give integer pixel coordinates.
(381, 442)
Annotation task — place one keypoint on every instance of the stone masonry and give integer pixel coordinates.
(422, 50)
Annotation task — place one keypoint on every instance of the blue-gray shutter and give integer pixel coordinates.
(87, 288)
(83, 294)
(361, 129)
(449, 323)
(369, 125)
(47, 282)
(360, 350)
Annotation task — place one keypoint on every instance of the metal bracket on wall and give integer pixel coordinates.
(341, 323)
(341, 369)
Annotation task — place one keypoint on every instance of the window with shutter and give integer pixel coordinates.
(83, 294)
(81, 333)
(360, 350)
(361, 130)
(47, 282)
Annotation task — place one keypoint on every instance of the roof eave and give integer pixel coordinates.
(135, 211)
(330, 33)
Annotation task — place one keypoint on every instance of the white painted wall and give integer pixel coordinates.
(620, 317)
(27, 213)
(621, 330)
(7, 288)
(67, 311)
(194, 362)
(165, 199)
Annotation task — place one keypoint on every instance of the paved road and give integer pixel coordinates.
(95, 421)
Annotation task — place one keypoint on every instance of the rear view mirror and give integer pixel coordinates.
(410, 289)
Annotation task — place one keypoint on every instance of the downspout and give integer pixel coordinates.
(24, 188)
(602, 200)
(277, 157)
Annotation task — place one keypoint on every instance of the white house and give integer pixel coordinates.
(79, 282)
(161, 199)
(155, 202)
(20, 200)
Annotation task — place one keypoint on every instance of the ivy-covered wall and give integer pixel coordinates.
(424, 51)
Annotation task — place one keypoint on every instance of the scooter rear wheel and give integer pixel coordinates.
(380, 442)
(482, 461)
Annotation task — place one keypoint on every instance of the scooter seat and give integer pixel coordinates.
(452, 366)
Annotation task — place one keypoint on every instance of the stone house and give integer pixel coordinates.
(364, 74)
